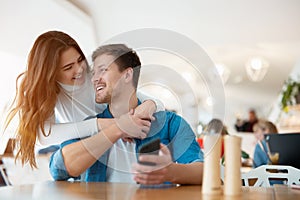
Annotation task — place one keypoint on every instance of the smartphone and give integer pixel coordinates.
(152, 147)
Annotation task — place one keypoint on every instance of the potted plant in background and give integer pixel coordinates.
(290, 94)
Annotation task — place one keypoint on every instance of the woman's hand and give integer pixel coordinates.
(133, 125)
(146, 110)
(145, 174)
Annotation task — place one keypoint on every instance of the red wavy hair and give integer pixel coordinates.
(37, 93)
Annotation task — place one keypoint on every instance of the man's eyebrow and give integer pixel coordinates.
(99, 66)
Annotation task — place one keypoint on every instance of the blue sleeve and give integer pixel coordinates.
(260, 157)
(57, 166)
(185, 148)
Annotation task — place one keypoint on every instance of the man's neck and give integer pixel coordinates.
(123, 104)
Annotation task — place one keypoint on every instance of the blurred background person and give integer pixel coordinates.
(247, 126)
(261, 128)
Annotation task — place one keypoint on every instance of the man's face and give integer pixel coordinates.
(106, 78)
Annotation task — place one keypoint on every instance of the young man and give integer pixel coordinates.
(115, 78)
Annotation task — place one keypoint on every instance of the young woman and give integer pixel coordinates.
(261, 156)
(56, 94)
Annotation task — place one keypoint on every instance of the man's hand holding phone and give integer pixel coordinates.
(153, 168)
(149, 148)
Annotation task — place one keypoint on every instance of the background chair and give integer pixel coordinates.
(266, 175)
(3, 176)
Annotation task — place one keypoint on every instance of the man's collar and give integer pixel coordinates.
(107, 112)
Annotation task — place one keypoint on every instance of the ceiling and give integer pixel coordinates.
(230, 32)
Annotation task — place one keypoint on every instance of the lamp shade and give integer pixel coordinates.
(256, 68)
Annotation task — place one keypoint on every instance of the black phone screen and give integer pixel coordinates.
(152, 147)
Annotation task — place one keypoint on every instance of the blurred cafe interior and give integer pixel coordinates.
(236, 61)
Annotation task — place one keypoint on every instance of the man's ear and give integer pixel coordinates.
(129, 74)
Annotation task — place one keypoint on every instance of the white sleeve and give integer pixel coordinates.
(66, 131)
(159, 105)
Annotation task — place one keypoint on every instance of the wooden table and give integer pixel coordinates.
(115, 191)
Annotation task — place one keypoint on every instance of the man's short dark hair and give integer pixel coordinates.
(124, 57)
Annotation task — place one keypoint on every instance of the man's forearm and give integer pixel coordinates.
(81, 155)
(186, 173)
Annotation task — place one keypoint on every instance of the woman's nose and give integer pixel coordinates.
(79, 68)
